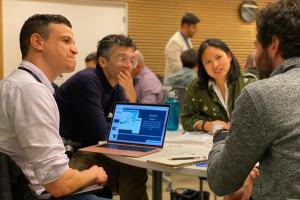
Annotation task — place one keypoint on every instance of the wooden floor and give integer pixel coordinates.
(178, 181)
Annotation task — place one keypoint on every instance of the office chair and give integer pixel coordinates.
(69, 146)
(166, 90)
(181, 97)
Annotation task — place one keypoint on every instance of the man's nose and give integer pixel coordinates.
(74, 50)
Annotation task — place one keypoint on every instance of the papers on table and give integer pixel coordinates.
(178, 163)
(194, 137)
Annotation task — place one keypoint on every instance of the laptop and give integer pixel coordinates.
(136, 130)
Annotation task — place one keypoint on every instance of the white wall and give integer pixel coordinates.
(91, 21)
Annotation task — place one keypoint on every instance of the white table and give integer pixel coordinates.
(167, 151)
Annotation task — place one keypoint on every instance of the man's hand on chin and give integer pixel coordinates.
(126, 82)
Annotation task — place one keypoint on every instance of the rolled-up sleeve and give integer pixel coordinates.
(35, 117)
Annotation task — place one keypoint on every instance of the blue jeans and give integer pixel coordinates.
(89, 197)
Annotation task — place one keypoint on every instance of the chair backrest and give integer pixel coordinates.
(13, 182)
(160, 78)
(180, 98)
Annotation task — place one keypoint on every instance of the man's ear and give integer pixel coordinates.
(36, 42)
(245, 65)
(274, 47)
(102, 62)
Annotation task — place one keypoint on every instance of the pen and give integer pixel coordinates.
(184, 158)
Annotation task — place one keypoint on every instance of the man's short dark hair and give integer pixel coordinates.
(234, 72)
(38, 23)
(189, 19)
(281, 18)
(107, 43)
(189, 58)
(91, 57)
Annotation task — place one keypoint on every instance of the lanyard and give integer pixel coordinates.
(30, 72)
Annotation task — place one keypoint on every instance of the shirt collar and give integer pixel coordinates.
(104, 81)
(213, 83)
(285, 64)
(186, 38)
(38, 73)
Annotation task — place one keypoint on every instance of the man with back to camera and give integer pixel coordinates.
(249, 65)
(147, 86)
(265, 126)
(183, 77)
(29, 115)
(179, 43)
(85, 101)
(91, 60)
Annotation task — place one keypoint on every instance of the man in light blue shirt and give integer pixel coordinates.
(29, 123)
(189, 71)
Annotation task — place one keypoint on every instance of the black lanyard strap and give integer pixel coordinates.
(32, 74)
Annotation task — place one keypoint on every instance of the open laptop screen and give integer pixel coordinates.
(142, 124)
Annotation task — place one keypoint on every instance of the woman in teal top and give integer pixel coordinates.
(211, 97)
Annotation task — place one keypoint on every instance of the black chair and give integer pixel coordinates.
(181, 97)
(82, 191)
(15, 185)
(69, 146)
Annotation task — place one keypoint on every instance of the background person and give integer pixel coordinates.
(250, 66)
(91, 60)
(183, 77)
(147, 86)
(179, 43)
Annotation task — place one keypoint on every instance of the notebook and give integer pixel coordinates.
(136, 130)
(167, 162)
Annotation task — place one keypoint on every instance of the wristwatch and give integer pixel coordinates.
(219, 130)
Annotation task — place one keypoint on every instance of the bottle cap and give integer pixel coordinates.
(172, 94)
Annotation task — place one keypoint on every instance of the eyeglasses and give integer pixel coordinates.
(124, 61)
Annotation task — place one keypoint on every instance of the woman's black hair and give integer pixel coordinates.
(234, 72)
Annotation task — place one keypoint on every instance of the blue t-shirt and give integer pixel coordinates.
(186, 40)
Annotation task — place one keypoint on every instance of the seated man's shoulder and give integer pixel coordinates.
(193, 83)
(262, 87)
(83, 77)
(13, 84)
(150, 77)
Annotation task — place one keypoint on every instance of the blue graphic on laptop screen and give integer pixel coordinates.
(139, 124)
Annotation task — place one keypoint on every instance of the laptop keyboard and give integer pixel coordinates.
(125, 147)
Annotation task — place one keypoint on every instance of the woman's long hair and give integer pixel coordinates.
(234, 72)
